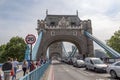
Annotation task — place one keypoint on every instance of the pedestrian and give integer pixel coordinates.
(44, 60)
(7, 67)
(24, 67)
(12, 71)
(38, 63)
(15, 67)
(32, 66)
(41, 61)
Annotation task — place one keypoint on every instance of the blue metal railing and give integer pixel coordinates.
(73, 52)
(107, 48)
(37, 73)
(35, 49)
(27, 52)
(65, 52)
(69, 55)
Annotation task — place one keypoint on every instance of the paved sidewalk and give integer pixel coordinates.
(19, 74)
(49, 73)
(45, 75)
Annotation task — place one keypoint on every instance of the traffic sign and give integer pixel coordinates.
(30, 39)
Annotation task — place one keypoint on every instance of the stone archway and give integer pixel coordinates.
(56, 54)
(75, 40)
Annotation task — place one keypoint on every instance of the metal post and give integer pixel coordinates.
(31, 52)
(30, 57)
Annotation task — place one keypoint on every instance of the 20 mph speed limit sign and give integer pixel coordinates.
(30, 39)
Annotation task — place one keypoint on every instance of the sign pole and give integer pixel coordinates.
(30, 57)
(30, 52)
(30, 39)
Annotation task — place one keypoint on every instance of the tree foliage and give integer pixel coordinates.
(2, 51)
(114, 41)
(15, 48)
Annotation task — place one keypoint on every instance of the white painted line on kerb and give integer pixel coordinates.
(51, 74)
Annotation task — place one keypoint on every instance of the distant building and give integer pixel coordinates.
(100, 53)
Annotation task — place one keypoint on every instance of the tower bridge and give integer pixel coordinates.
(54, 30)
(69, 28)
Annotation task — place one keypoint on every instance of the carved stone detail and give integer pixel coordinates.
(63, 23)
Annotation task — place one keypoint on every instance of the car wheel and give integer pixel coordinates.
(74, 64)
(95, 70)
(86, 68)
(113, 74)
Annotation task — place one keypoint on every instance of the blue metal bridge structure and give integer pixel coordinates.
(37, 73)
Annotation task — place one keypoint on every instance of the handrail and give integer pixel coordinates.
(37, 73)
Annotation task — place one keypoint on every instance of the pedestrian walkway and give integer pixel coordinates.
(19, 74)
(49, 73)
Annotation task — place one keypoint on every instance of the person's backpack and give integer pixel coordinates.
(7, 66)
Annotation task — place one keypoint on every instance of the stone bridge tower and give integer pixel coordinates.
(70, 28)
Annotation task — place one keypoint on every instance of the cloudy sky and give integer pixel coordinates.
(19, 17)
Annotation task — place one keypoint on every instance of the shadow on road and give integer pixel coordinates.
(95, 71)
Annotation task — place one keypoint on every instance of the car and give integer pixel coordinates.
(114, 69)
(79, 63)
(96, 64)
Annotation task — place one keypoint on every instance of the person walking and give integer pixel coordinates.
(41, 61)
(32, 66)
(12, 71)
(24, 67)
(15, 67)
(38, 63)
(7, 67)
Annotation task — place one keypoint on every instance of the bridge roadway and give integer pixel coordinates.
(62, 71)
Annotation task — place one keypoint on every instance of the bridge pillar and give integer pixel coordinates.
(90, 48)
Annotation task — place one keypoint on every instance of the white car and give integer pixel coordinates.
(95, 64)
(114, 69)
(79, 63)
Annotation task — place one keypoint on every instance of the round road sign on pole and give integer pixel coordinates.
(30, 39)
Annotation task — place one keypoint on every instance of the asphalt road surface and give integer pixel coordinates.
(64, 71)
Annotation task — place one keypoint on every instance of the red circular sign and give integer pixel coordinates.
(30, 39)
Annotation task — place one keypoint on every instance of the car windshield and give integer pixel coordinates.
(97, 61)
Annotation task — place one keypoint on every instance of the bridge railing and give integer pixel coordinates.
(37, 73)
(73, 52)
(64, 50)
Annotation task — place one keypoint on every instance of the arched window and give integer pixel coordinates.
(52, 33)
(52, 23)
(75, 33)
(73, 24)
